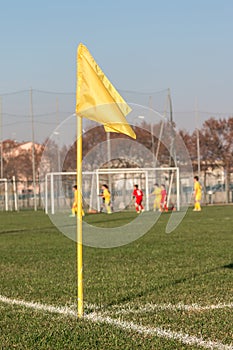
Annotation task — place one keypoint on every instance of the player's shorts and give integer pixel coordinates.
(138, 201)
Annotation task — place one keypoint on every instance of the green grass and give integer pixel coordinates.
(192, 265)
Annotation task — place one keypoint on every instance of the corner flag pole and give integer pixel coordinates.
(93, 90)
(79, 234)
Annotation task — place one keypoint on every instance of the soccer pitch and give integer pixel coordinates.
(163, 291)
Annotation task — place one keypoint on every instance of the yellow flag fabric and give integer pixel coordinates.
(96, 97)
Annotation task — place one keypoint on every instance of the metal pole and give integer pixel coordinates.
(161, 132)
(1, 174)
(79, 233)
(172, 148)
(52, 194)
(172, 160)
(152, 134)
(33, 153)
(97, 190)
(198, 141)
(15, 193)
(147, 192)
(178, 188)
(170, 189)
(109, 159)
(198, 153)
(57, 133)
(6, 194)
(58, 139)
(46, 194)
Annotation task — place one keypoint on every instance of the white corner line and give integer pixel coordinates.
(128, 326)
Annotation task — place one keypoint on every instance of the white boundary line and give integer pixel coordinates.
(129, 326)
(127, 309)
(159, 332)
(37, 306)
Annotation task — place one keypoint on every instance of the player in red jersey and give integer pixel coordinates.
(138, 195)
(163, 202)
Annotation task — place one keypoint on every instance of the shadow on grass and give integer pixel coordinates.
(147, 291)
(115, 220)
(229, 266)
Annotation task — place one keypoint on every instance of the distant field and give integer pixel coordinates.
(163, 291)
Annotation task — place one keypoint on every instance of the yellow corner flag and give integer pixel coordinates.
(98, 100)
(96, 97)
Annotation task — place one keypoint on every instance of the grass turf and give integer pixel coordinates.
(192, 265)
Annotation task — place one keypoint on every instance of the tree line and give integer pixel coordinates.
(213, 140)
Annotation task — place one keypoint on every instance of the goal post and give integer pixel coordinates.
(4, 193)
(58, 187)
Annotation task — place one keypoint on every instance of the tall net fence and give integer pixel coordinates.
(33, 109)
(36, 116)
(28, 112)
(19, 195)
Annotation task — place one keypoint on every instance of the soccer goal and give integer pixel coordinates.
(121, 182)
(58, 193)
(4, 194)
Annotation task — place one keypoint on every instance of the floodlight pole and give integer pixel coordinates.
(161, 133)
(172, 161)
(172, 148)
(152, 135)
(1, 145)
(58, 151)
(33, 153)
(198, 141)
(58, 139)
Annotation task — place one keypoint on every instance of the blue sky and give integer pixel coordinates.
(143, 46)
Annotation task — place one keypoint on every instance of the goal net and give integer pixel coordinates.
(58, 194)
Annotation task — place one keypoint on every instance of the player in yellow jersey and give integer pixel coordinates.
(158, 196)
(75, 203)
(197, 194)
(107, 198)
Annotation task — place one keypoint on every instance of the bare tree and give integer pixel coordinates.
(217, 143)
